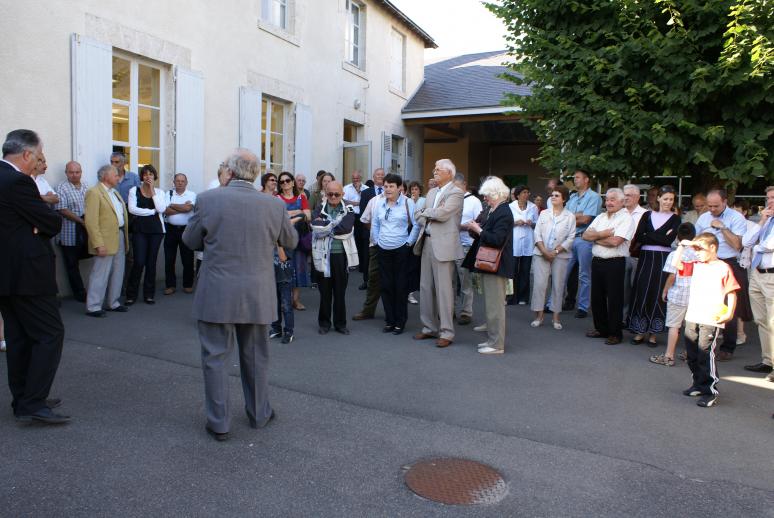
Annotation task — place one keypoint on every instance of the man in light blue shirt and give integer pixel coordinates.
(126, 179)
(728, 226)
(585, 204)
(394, 232)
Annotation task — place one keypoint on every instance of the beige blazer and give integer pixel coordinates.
(102, 222)
(444, 224)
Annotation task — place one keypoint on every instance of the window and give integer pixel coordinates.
(272, 135)
(397, 61)
(275, 12)
(355, 33)
(396, 160)
(136, 111)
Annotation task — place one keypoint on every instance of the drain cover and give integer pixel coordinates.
(456, 481)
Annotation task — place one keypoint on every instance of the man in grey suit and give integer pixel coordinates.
(238, 228)
(439, 245)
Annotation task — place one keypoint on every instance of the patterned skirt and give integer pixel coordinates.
(647, 312)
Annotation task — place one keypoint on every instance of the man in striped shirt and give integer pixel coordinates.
(73, 237)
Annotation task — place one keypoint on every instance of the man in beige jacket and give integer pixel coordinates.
(106, 221)
(439, 245)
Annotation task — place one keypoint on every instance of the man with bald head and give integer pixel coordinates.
(73, 238)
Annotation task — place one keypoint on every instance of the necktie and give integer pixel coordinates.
(378, 190)
(758, 256)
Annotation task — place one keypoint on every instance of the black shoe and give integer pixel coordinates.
(45, 416)
(119, 309)
(96, 314)
(54, 402)
(129, 302)
(220, 437)
(388, 329)
(80, 298)
(342, 330)
(323, 330)
(149, 300)
(692, 392)
(397, 330)
(581, 314)
(363, 286)
(707, 400)
(274, 333)
(758, 367)
(287, 338)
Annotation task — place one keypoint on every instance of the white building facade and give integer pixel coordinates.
(305, 84)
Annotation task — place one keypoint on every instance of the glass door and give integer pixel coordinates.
(357, 155)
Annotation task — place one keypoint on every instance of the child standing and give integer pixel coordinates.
(711, 304)
(679, 266)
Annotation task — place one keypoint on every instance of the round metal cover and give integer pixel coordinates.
(456, 481)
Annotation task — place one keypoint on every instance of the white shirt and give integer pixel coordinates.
(441, 193)
(118, 203)
(43, 186)
(352, 195)
(180, 199)
(471, 208)
(622, 225)
(636, 215)
(710, 283)
(761, 244)
(365, 218)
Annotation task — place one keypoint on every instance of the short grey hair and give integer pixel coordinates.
(243, 163)
(102, 171)
(445, 163)
(459, 178)
(494, 188)
(17, 141)
(615, 190)
(179, 174)
(118, 154)
(631, 187)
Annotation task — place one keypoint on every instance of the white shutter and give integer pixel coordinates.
(189, 126)
(386, 151)
(92, 123)
(265, 11)
(408, 171)
(250, 119)
(303, 141)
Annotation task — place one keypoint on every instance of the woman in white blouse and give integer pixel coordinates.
(146, 205)
(525, 216)
(554, 234)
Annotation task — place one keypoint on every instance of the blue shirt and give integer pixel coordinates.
(731, 219)
(590, 204)
(390, 223)
(129, 180)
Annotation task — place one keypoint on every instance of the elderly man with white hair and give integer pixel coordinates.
(632, 206)
(610, 234)
(230, 303)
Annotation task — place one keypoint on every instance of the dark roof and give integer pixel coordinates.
(464, 82)
(429, 42)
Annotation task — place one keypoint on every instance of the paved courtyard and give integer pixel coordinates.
(577, 428)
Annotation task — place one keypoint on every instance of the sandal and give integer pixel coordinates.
(662, 359)
(557, 325)
(652, 342)
(637, 339)
(683, 356)
(298, 306)
(537, 322)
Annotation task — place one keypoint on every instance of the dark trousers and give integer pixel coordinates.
(393, 265)
(374, 283)
(71, 256)
(283, 275)
(728, 344)
(700, 342)
(361, 242)
(521, 268)
(607, 294)
(34, 333)
(146, 251)
(333, 290)
(173, 240)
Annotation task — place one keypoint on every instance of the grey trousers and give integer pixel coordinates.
(217, 343)
(465, 306)
(436, 294)
(494, 297)
(541, 271)
(107, 275)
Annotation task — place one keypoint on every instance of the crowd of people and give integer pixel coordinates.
(646, 269)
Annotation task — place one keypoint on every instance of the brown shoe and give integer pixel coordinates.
(362, 316)
(169, 291)
(464, 320)
(612, 340)
(593, 334)
(423, 336)
(724, 356)
(188, 290)
(443, 342)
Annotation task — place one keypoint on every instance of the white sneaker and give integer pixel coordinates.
(536, 323)
(2, 346)
(482, 327)
(412, 300)
(490, 350)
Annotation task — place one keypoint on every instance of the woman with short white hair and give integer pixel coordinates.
(496, 233)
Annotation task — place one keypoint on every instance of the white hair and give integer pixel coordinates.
(243, 163)
(615, 190)
(494, 188)
(631, 187)
(105, 169)
(447, 164)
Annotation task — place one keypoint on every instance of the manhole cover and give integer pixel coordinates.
(456, 482)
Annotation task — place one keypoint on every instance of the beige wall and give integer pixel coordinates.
(457, 152)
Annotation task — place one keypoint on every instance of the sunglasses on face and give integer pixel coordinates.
(286, 180)
(333, 194)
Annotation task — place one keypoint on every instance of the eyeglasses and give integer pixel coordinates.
(333, 194)
(286, 180)
(556, 195)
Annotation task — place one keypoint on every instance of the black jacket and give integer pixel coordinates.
(497, 232)
(665, 235)
(26, 257)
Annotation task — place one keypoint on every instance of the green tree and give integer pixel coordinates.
(647, 87)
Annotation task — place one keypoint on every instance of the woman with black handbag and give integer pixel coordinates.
(300, 216)
(491, 256)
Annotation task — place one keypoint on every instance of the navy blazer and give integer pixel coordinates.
(26, 258)
(497, 232)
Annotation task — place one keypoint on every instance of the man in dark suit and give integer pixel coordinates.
(33, 327)
(365, 259)
(238, 229)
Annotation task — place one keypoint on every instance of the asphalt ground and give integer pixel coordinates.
(576, 427)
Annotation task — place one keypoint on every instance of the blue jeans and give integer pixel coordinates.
(284, 280)
(581, 254)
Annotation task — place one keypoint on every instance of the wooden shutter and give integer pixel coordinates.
(250, 119)
(303, 140)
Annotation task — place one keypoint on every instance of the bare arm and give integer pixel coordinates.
(67, 213)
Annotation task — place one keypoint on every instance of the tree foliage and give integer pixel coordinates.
(647, 87)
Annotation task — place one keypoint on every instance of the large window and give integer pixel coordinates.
(137, 111)
(275, 12)
(355, 33)
(397, 61)
(272, 134)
